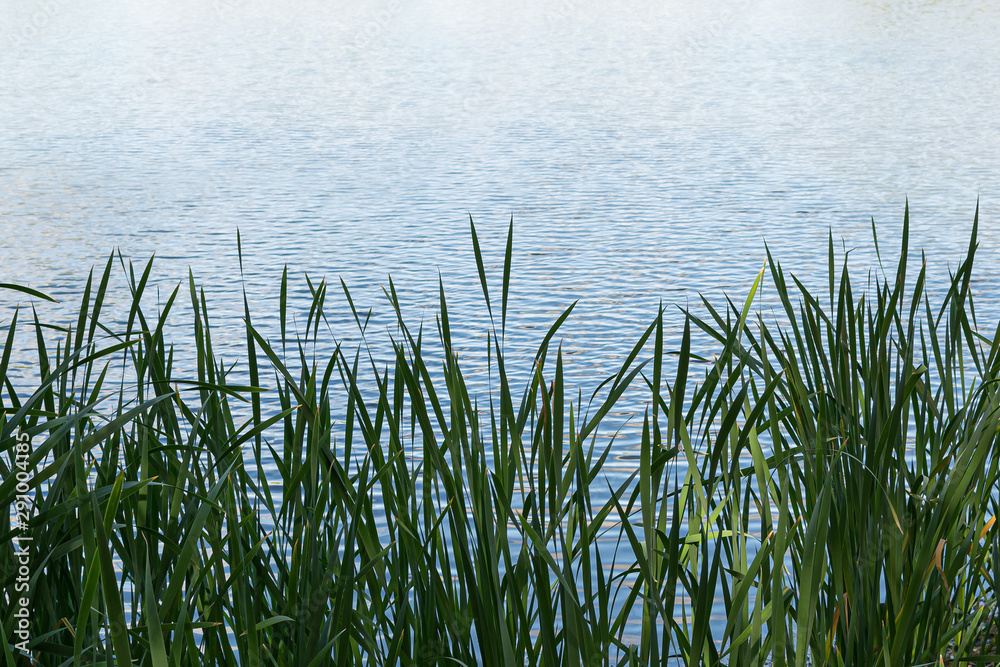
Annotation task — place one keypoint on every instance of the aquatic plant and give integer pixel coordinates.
(829, 479)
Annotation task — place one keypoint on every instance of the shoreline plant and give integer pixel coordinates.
(829, 480)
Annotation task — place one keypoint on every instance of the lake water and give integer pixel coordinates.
(644, 149)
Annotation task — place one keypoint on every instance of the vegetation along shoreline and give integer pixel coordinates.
(829, 479)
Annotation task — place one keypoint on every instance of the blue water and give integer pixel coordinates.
(645, 150)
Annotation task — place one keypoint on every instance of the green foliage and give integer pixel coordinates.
(831, 478)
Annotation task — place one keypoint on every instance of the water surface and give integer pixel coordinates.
(645, 150)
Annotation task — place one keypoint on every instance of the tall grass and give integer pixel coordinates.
(829, 479)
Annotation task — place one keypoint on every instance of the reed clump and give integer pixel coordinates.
(829, 480)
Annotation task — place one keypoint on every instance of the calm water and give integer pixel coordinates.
(645, 150)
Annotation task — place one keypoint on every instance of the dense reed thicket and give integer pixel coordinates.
(831, 476)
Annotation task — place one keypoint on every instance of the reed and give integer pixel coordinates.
(829, 479)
